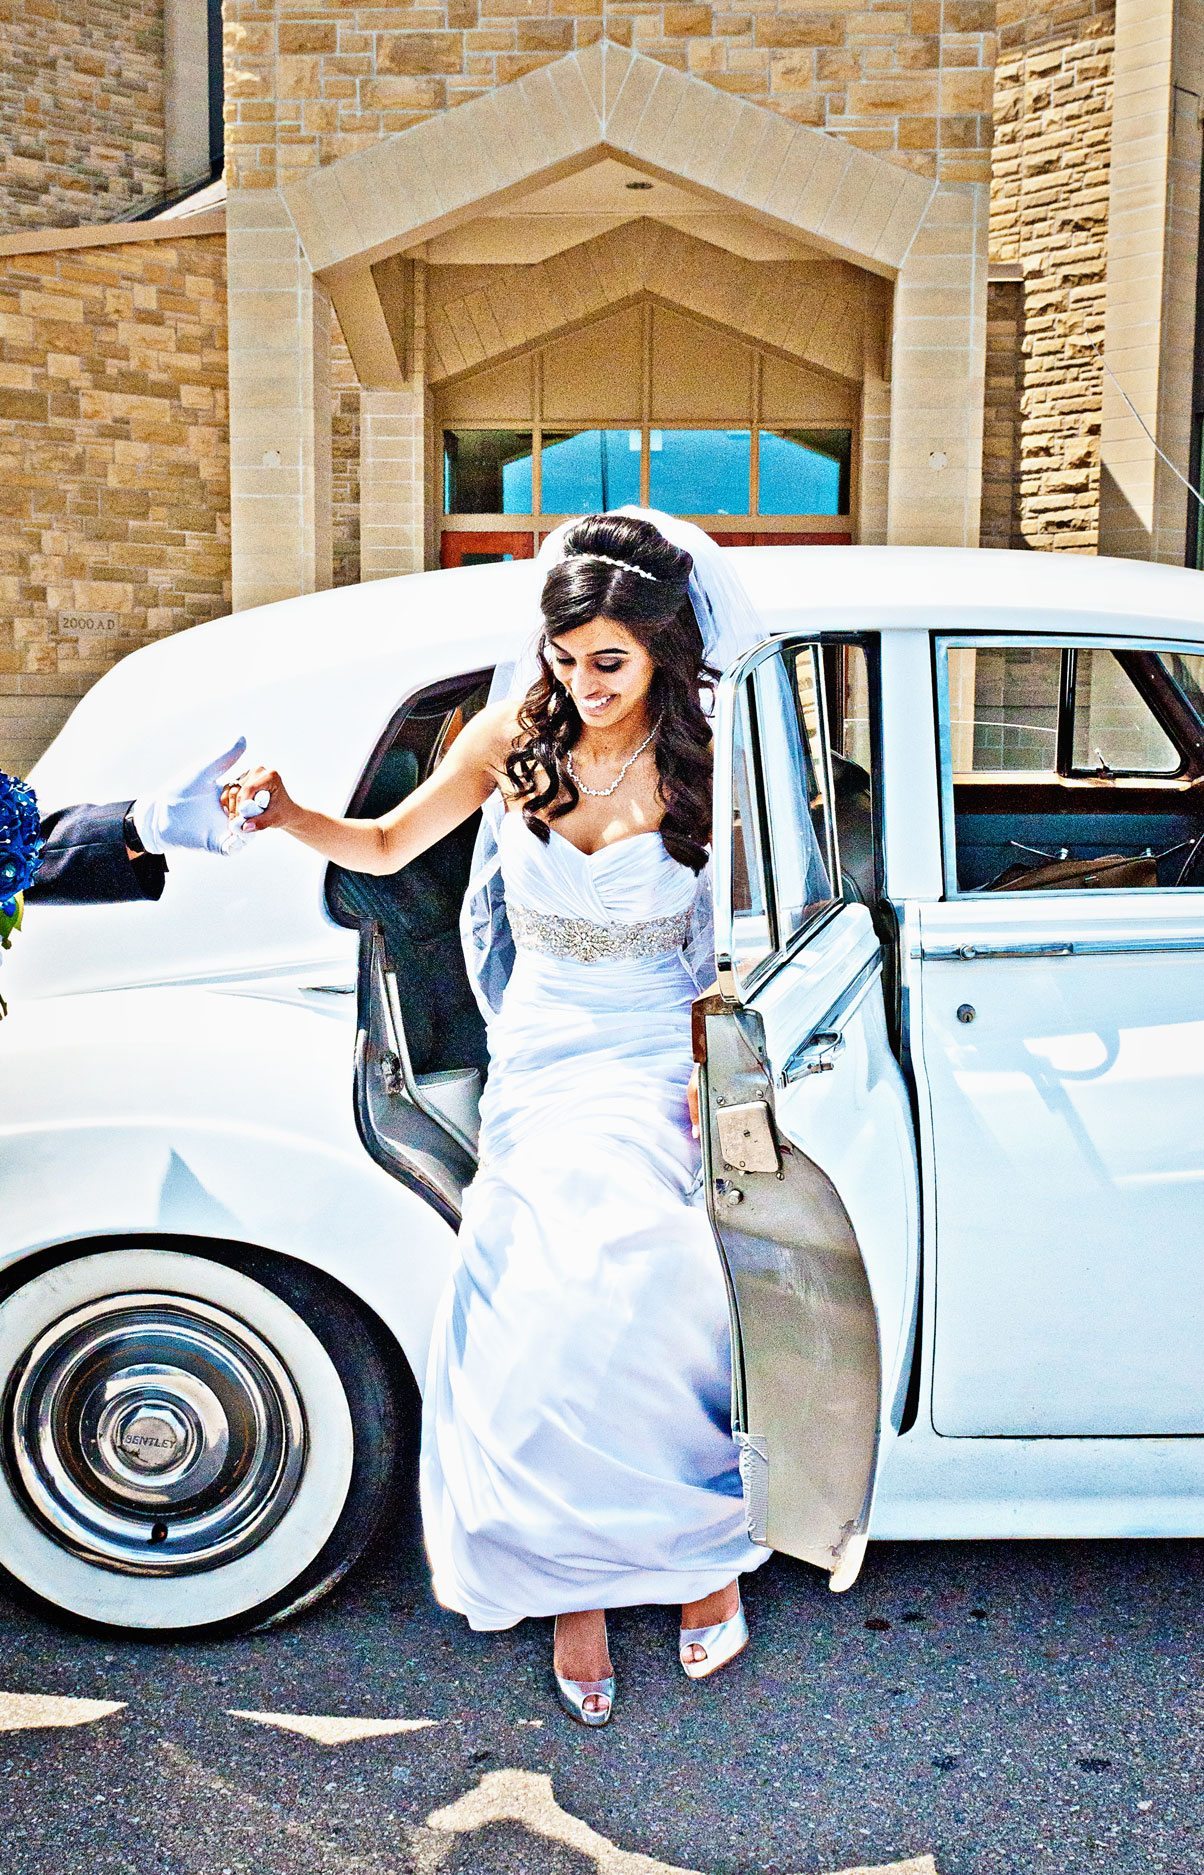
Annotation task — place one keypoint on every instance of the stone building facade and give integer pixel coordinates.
(866, 269)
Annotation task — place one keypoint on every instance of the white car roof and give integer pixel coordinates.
(416, 628)
(314, 681)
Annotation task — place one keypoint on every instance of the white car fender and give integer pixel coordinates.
(213, 1114)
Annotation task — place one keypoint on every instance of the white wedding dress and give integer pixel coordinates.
(576, 1442)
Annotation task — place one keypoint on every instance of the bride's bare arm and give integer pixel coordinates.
(463, 781)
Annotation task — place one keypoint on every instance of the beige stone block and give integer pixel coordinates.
(258, 481)
(749, 127)
(298, 76)
(414, 54)
(467, 164)
(888, 189)
(578, 100)
(258, 273)
(905, 221)
(841, 175)
(664, 135)
(332, 233)
(562, 109)
(637, 89)
(765, 162)
(527, 140)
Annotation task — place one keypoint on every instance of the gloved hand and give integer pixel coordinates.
(187, 811)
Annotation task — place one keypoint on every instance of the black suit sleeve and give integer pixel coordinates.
(84, 860)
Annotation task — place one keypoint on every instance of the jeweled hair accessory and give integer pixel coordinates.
(608, 559)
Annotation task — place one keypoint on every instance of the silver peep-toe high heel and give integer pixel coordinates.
(574, 1693)
(719, 1644)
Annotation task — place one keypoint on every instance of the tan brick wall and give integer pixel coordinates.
(1049, 213)
(345, 465)
(114, 463)
(1001, 416)
(306, 84)
(81, 111)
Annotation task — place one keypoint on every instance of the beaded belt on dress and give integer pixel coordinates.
(590, 942)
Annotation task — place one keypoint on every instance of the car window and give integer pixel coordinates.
(1051, 709)
(752, 942)
(782, 829)
(1071, 767)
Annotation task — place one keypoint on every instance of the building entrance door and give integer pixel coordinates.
(483, 547)
(726, 539)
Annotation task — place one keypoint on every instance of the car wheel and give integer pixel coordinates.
(188, 1445)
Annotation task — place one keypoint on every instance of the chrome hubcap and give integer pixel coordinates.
(155, 1434)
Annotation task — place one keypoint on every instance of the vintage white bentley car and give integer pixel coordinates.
(954, 1084)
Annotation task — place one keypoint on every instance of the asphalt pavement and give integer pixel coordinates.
(1025, 1709)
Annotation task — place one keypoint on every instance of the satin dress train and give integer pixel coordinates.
(576, 1438)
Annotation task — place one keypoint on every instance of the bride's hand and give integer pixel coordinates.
(692, 1103)
(238, 795)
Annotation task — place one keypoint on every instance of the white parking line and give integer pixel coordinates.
(505, 1796)
(20, 1712)
(526, 1797)
(332, 1730)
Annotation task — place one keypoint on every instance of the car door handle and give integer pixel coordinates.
(985, 953)
(816, 1056)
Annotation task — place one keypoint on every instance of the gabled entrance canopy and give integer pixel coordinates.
(359, 213)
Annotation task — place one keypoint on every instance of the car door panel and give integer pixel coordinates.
(820, 1243)
(1061, 1037)
(400, 1125)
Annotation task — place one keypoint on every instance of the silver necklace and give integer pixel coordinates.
(599, 794)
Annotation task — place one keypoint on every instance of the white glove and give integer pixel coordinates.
(187, 811)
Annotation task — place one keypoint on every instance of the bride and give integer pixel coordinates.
(577, 1452)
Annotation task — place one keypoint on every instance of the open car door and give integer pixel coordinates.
(808, 1142)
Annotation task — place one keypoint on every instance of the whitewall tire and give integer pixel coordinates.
(188, 1442)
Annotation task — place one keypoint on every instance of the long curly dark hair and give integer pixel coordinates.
(658, 614)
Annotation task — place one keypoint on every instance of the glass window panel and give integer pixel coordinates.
(487, 471)
(1004, 708)
(700, 471)
(589, 472)
(788, 715)
(1187, 669)
(851, 719)
(1114, 727)
(804, 472)
(751, 940)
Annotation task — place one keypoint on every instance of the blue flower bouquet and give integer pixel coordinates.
(20, 852)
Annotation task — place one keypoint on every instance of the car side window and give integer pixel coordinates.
(1075, 766)
(783, 835)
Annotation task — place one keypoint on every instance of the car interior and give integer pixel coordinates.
(1075, 768)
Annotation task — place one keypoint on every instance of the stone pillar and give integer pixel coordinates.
(938, 368)
(394, 470)
(280, 406)
(1149, 325)
(392, 480)
(874, 467)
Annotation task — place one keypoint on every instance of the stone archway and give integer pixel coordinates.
(354, 224)
(607, 100)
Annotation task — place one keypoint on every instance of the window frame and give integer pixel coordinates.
(745, 673)
(1173, 781)
(541, 521)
